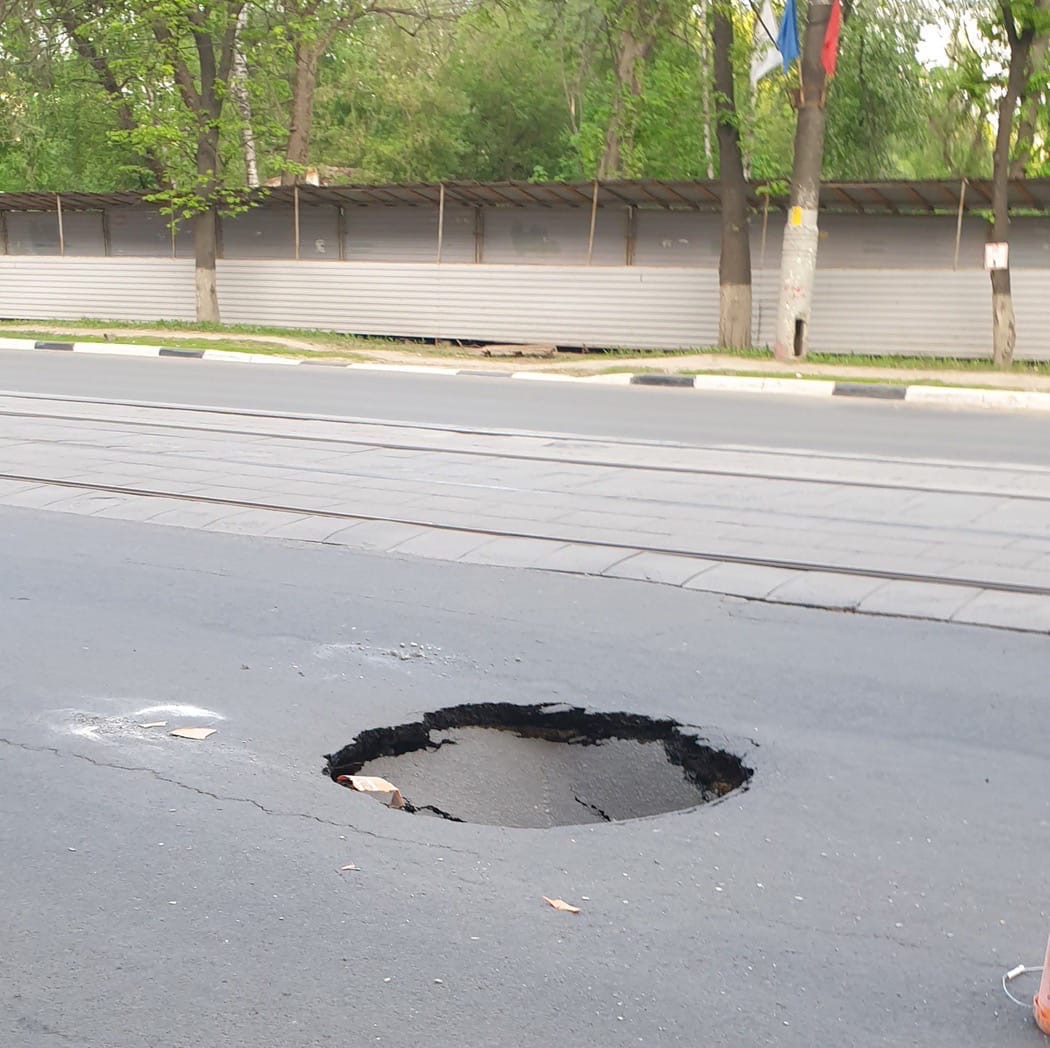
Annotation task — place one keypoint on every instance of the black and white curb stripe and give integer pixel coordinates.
(124, 349)
(820, 388)
(993, 399)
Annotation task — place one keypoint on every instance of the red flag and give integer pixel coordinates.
(829, 55)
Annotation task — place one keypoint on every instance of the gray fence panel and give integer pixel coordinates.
(924, 313)
(660, 308)
(1031, 288)
(318, 233)
(868, 311)
(36, 233)
(677, 238)
(139, 232)
(408, 234)
(906, 242)
(895, 242)
(102, 288)
(32, 233)
(682, 238)
(1030, 244)
(545, 236)
(259, 233)
(871, 311)
(532, 236)
(82, 233)
(269, 232)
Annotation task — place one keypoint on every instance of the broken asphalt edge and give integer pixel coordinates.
(947, 396)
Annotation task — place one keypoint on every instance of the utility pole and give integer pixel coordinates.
(801, 235)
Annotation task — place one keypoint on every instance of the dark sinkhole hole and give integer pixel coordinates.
(540, 766)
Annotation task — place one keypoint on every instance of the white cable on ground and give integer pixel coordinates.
(1015, 973)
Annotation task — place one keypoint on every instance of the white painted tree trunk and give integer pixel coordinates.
(239, 88)
(802, 234)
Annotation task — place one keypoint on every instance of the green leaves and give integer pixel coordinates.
(493, 90)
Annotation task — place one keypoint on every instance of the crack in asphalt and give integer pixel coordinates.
(593, 807)
(34, 1025)
(711, 908)
(438, 811)
(54, 750)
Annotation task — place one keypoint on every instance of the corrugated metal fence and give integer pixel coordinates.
(881, 312)
(885, 284)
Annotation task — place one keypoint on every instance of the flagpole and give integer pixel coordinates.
(765, 57)
(758, 19)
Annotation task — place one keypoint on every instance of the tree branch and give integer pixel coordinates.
(106, 78)
(183, 78)
(1008, 22)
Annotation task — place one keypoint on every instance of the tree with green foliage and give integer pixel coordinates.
(302, 32)
(193, 99)
(408, 89)
(386, 107)
(197, 44)
(66, 94)
(857, 125)
(734, 266)
(959, 117)
(879, 94)
(163, 68)
(633, 29)
(1024, 25)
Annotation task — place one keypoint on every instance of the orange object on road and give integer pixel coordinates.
(1041, 1005)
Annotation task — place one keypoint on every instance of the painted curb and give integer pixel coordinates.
(942, 396)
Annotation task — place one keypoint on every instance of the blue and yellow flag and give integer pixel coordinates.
(787, 38)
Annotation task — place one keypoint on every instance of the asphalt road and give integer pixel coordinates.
(640, 413)
(869, 889)
(971, 538)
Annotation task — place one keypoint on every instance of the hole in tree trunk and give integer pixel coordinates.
(800, 336)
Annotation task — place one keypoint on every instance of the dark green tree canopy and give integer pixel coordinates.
(490, 89)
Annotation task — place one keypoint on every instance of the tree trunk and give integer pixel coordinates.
(203, 97)
(303, 85)
(205, 228)
(609, 165)
(801, 235)
(239, 89)
(1004, 327)
(205, 243)
(734, 267)
(1030, 109)
(619, 132)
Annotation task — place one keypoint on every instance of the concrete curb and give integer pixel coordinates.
(946, 396)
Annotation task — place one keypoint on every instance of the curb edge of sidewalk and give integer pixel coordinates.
(951, 396)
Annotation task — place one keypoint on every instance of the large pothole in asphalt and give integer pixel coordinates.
(541, 766)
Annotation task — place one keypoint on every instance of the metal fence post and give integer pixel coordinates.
(61, 230)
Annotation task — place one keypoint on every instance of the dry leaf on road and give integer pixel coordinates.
(193, 733)
(348, 866)
(373, 784)
(561, 904)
